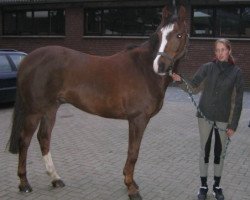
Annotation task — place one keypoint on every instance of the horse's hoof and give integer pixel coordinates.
(25, 188)
(58, 183)
(136, 196)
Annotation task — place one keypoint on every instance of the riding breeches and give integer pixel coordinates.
(206, 131)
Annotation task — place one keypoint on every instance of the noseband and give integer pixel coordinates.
(167, 56)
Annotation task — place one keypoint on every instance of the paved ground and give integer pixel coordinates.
(89, 153)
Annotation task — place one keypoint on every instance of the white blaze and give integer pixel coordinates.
(50, 167)
(165, 31)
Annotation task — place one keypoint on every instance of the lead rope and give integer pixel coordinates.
(189, 91)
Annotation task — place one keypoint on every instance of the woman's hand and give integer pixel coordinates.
(176, 77)
(230, 132)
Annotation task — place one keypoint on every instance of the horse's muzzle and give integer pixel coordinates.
(164, 69)
(161, 68)
(165, 63)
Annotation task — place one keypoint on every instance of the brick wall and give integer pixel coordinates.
(199, 51)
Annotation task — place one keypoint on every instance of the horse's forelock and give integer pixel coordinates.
(167, 21)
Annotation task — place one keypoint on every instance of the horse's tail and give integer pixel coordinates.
(17, 124)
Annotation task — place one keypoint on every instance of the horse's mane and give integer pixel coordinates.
(153, 42)
(131, 46)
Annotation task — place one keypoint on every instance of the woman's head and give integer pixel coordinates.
(223, 50)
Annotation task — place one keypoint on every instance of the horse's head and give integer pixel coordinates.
(173, 39)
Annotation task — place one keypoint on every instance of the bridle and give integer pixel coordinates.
(172, 59)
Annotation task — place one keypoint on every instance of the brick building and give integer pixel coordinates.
(104, 27)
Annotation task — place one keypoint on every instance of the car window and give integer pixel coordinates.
(4, 64)
(17, 59)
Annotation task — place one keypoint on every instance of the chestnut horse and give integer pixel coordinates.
(128, 85)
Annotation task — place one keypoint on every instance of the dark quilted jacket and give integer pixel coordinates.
(220, 80)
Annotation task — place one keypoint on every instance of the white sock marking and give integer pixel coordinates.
(50, 167)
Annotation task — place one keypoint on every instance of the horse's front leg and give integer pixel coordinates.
(136, 129)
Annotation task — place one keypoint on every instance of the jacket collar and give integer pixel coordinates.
(223, 65)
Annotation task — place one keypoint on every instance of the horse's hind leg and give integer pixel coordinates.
(136, 130)
(44, 137)
(30, 125)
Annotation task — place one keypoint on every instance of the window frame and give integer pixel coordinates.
(9, 65)
(101, 25)
(214, 23)
(32, 32)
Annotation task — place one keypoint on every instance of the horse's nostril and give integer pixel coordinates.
(161, 68)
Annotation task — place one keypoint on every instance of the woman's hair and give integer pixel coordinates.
(228, 45)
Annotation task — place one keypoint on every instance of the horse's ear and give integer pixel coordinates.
(165, 12)
(165, 15)
(182, 14)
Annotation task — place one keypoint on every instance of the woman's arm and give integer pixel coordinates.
(195, 84)
(239, 89)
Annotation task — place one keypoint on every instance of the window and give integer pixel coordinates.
(93, 22)
(121, 21)
(227, 22)
(10, 24)
(245, 22)
(42, 22)
(4, 64)
(221, 21)
(203, 22)
(24, 24)
(17, 58)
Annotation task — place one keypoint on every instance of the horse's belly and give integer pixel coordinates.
(95, 103)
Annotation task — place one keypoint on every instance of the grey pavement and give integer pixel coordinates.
(89, 153)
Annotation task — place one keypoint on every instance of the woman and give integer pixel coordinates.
(221, 104)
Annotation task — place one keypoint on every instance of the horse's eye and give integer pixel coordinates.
(179, 35)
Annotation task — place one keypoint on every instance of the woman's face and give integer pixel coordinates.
(221, 52)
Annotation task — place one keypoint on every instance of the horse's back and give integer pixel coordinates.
(45, 57)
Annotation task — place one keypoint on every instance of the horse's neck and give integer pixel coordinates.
(147, 54)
